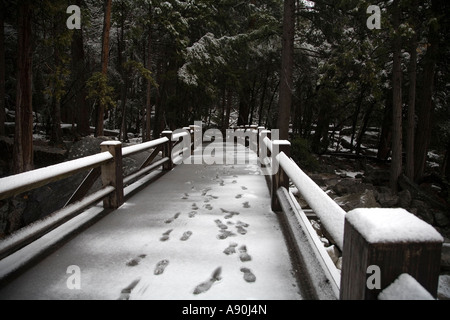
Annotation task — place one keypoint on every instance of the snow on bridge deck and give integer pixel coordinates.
(170, 240)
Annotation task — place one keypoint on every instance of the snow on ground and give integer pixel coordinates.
(170, 240)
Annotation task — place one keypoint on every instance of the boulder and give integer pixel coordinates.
(404, 199)
(387, 200)
(376, 176)
(445, 256)
(347, 186)
(365, 199)
(422, 210)
(441, 219)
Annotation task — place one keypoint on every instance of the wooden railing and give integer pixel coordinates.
(106, 165)
(377, 245)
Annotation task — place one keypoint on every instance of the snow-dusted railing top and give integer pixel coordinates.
(331, 215)
(23, 182)
(107, 164)
(385, 242)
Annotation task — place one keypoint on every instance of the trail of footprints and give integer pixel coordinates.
(224, 233)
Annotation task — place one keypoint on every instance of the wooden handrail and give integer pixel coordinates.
(107, 164)
(13, 185)
(415, 252)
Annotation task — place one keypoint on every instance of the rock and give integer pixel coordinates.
(441, 219)
(387, 200)
(444, 287)
(418, 193)
(445, 256)
(352, 201)
(347, 186)
(375, 176)
(421, 209)
(404, 199)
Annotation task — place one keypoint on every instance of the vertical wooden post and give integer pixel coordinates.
(112, 174)
(263, 150)
(167, 150)
(259, 140)
(193, 144)
(279, 176)
(381, 244)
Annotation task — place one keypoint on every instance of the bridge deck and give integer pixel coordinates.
(213, 207)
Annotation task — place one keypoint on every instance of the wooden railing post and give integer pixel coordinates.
(382, 244)
(259, 140)
(279, 177)
(112, 174)
(167, 150)
(192, 132)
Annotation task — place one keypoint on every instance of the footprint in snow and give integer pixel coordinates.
(238, 196)
(186, 235)
(240, 226)
(205, 286)
(192, 214)
(244, 188)
(246, 204)
(125, 293)
(230, 249)
(230, 214)
(173, 218)
(220, 224)
(248, 275)
(135, 261)
(194, 206)
(161, 266)
(165, 235)
(223, 234)
(243, 255)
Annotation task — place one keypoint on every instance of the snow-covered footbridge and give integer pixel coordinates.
(209, 219)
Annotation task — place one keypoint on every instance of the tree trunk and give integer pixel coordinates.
(56, 132)
(426, 105)
(23, 137)
(363, 129)
(396, 163)
(263, 97)
(2, 73)
(287, 64)
(384, 146)
(411, 122)
(105, 55)
(78, 62)
(226, 122)
(148, 105)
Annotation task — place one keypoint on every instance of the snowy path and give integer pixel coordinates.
(199, 232)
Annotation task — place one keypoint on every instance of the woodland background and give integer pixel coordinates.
(138, 67)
